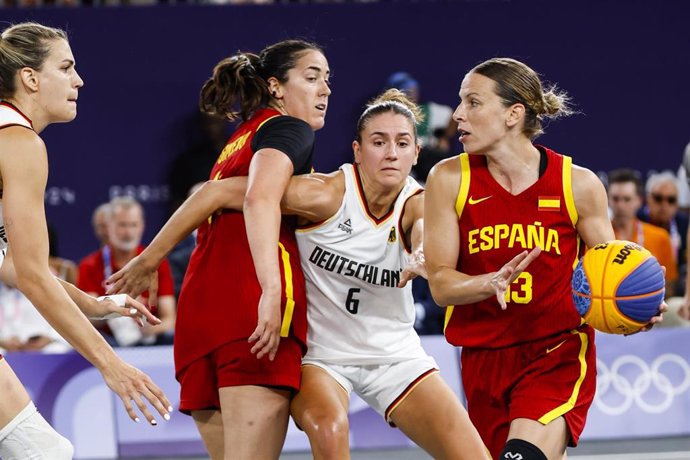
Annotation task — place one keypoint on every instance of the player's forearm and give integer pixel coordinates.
(186, 218)
(262, 221)
(450, 287)
(166, 313)
(417, 235)
(86, 303)
(56, 306)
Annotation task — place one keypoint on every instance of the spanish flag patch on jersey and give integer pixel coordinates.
(549, 203)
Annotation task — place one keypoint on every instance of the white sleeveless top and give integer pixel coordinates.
(9, 116)
(352, 263)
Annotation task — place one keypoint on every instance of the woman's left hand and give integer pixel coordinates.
(416, 266)
(267, 332)
(114, 306)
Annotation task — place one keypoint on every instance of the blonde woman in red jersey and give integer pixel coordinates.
(39, 86)
(528, 363)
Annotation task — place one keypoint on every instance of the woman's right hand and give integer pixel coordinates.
(501, 279)
(267, 332)
(134, 278)
(130, 384)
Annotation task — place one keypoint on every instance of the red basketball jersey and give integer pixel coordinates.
(220, 293)
(495, 226)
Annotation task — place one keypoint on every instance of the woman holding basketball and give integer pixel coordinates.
(528, 362)
(39, 86)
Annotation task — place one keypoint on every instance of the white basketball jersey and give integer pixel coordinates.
(352, 264)
(9, 116)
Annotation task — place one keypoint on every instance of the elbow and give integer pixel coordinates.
(251, 199)
(254, 200)
(30, 282)
(437, 292)
(212, 195)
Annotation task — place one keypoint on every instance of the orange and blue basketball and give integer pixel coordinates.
(618, 287)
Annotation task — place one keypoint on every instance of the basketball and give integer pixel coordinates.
(618, 287)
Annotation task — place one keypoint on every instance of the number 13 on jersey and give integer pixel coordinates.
(520, 290)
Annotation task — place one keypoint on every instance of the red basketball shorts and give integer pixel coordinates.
(233, 364)
(540, 380)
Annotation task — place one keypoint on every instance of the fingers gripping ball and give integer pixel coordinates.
(618, 287)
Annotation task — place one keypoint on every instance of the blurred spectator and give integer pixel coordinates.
(194, 164)
(683, 189)
(662, 210)
(99, 221)
(624, 192)
(125, 229)
(22, 328)
(62, 268)
(682, 308)
(436, 116)
(435, 130)
(179, 256)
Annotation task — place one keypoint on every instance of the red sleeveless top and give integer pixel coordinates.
(495, 226)
(220, 293)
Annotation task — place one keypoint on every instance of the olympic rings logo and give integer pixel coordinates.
(630, 380)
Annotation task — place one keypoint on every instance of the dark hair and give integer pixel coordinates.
(517, 83)
(392, 100)
(24, 45)
(243, 79)
(625, 175)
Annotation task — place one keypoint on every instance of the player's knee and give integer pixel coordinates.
(28, 435)
(327, 430)
(519, 449)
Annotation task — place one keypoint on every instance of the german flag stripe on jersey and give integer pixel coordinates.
(378, 221)
(394, 405)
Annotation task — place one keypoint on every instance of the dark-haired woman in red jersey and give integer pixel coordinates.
(241, 322)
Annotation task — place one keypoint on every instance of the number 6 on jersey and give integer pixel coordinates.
(352, 304)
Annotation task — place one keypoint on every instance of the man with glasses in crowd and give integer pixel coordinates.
(624, 192)
(662, 210)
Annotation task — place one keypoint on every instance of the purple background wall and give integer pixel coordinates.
(626, 65)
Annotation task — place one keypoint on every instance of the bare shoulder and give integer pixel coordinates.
(17, 138)
(20, 149)
(335, 181)
(327, 185)
(447, 167)
(444, 176)
(585, 184)
(314, 197)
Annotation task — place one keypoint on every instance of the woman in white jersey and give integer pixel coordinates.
(39, 86)
(361, 223)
